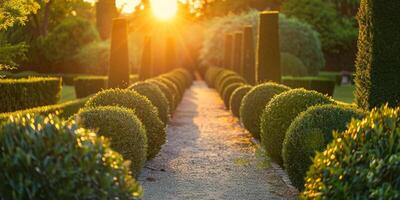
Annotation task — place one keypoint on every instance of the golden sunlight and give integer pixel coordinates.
(164, 9)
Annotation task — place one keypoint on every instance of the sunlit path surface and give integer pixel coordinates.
(209, 156)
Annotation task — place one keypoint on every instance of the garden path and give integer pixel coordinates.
(209, 156)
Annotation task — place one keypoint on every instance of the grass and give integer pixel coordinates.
(344, 93)
(67, 93)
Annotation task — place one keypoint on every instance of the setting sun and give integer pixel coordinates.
(164, 9)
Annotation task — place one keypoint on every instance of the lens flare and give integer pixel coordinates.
(164, 9)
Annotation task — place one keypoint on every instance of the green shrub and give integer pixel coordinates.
(227, 94)
(18, 94)
(65, 40)
(310, 132)
(125, 130)
(64, 110)
(236, 99)
(180, 84)
(296, 37)
(279, 114)
(167, 93)
(88, 85)
(211, 75)
(48, 158)
(377, 64)
(320, 84)
(254, 102)
(185, 74)
(360, 163)
(292, 66)
(228, 81)
(222, 76)
(146, 112)
(336, 32)
(172, 88)
(156, 97)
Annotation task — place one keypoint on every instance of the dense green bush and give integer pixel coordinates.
(64, 41)
(292, 66)
(360, 163)
(63, 110)
(156, 97)
(180, 84)
(254, 102)
(185, 74)
(227, 93)
(211, 75)
(337, 32)
(167, 93)
(18, 94)
(47, 158)
(172, 88)
(88, 85)
(236, 99)
(123, 127)
(378, 61)
(222, 76)
(309, 133)
(228, 81)
(296, 37)
(146, 112)
(320, 84)
(279, 114)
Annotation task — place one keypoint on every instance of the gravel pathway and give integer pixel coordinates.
(209, 156)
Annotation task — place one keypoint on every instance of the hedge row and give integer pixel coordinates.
(18, 94)
(319, 84)
(304, 130)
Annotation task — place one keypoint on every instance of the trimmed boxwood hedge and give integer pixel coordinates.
(222, 76)
(309, 133)
(88, 85)
(49, 158)
(319, 84)
(173, 89)
(64, 110)
(228, 81)
(279, 114)
(126, 132)
(227, 93)
(236, 99)
(167, 93)
(146, 112)
(211, 75)
(156, 97)
(360, 163)
(254, 102)
(19, 94)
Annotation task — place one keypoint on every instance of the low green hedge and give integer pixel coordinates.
(88, 85)
(319, 84)
(172, 88)
(125, 130)
(49, 158)
(144, 109)
(360, 163)
(279, 114)
(309, 133)
(254, 102)
(156, 97)
(19, 94)
(211, 75)
(228, 81)
(167, 93)
(222, 76)
(227, 93)
(236, 99)
(64, 110)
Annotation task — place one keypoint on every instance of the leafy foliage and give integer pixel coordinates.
(125, 130)
(360, 162)
(227, 93)
(47, 158)
(236, 99)
(254, 102)
(292, 66)
(88, 85)
(310, 132)
(18, 94)
(146, 112)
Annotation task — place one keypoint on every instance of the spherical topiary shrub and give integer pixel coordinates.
(211, 75)
(222, 76)
(236, 99)
(230, 80)
(156, 96)
(226, 94)
(360, 163)
(146, 112)
(122, 127)
(310, 132)
(254, 102)
(46, 158)
(167, 93)
(279, 114)
(180, 84)
(173, 89)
